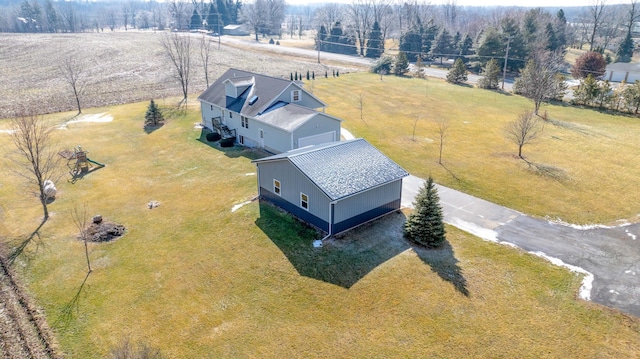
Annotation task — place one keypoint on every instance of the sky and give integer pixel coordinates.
(527, 3)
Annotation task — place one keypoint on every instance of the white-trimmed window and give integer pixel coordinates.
(211, 107)
(295, 95)
(230, 114)
(276, 187)
(241, 140)
(245, 122)
(304, 201)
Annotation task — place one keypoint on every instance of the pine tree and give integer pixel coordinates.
(442, 46)
(625, 50)
(458, 72)
(153, 117)
(401, 64)
(490, 75)
(425, 225)
(375, 44)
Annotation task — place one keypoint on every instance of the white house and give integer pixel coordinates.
(267, 112)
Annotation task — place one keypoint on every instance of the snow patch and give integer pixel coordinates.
(7, 131)
(346, 134)
(484, 233)
(317, 243)
(613, 291)
(584, 227)
(238, 206)
(633, 236)
(198, 125)
(587, 282)
(98, 117)
(250, 174)
(630, 272)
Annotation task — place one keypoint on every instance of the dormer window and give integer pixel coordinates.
(295, 95)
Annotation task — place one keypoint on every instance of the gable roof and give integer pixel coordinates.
(342, 169)
(266, 88)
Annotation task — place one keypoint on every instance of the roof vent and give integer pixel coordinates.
(253, 100)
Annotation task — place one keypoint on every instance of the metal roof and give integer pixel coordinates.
(342, 169)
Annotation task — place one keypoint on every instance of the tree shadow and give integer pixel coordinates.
(548, 171)
(443, 262)
(19, 244)
(149, 129)
(342, 261)
(450, 172)
(233, 151)
(66, 313)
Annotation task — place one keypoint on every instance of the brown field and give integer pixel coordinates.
(121, 67)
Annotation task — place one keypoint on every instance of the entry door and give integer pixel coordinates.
(261, 138)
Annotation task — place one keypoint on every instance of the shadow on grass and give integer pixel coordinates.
(233, 151)
(149, 129)
(443, 262)
(548, 171)
(345, 260)
(20, 244)
(66, 313)
(342, 262)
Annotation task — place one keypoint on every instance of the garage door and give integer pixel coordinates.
(317, 139)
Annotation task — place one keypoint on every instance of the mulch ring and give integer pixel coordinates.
(104, 231)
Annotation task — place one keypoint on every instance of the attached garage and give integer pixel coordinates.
(317, 139)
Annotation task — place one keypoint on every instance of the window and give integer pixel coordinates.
(276, 187)
(211, 107)
(304, 201)
(241, 140)
(230, 114)
(245, 122)
(295, 95)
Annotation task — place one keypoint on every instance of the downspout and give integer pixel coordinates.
(258, 176)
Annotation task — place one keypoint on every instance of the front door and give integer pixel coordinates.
(261, 138)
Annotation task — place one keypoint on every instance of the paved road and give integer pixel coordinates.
(608, 256)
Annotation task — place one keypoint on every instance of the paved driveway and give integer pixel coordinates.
(608, 256)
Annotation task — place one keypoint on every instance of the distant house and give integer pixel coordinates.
(235, 30)
(334, 186)
(266, 112)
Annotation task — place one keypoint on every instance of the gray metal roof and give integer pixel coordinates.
(342, 169)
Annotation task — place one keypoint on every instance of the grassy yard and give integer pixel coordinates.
(586, 161)
(196, 280)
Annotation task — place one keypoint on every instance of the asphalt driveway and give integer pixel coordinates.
(609, 257)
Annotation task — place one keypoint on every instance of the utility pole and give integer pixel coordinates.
(319, 46)
(219, 29)
(506, 58)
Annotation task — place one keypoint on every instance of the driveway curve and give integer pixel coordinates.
(609, 257)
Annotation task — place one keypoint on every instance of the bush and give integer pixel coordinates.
(271, 42)
(227, 142)
(382, 65)
(213, 136)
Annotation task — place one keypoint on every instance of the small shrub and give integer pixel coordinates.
(213, 136)
(271, 42)
(227, 142)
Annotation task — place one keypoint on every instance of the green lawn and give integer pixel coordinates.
(590, 159)
(196, 280)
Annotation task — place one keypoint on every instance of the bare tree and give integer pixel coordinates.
(442, 127)
(633, 14)
(523, 130)
(179, 11)
(596, 16)
(80, 219)
(361, 16)
(72, 71)
(205, 55)
(36, 161)
(178, 50)
(538, 81)
(254, 15)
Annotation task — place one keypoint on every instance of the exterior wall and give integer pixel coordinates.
(208, 112)
(318, 124)
(294, 210)
(306, 100)
(292, 182)
(365, 217)
(366, 201)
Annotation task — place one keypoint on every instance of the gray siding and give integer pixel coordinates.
(363, 202)
(209, 112)
(292, 183)
(306, 100)
(320, 123)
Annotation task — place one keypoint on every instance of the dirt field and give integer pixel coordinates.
(121, 67)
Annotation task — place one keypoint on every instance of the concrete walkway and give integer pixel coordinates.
(609, 257)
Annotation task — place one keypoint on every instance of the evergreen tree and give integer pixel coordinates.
(375, 44)
(425, 225)
(383, 65)
(625, 50)
(490, 75)
(224, 19)
(308, 75)
(458, 72)
(442, 46)
(560, 27)
(153, 116)
(552, 40)
(212, 19)
(491, 46)
(411, 43)
(428, 37)
(401, 64)
(465, 47)
(517, 45)
(196, 21)
(321, 38)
